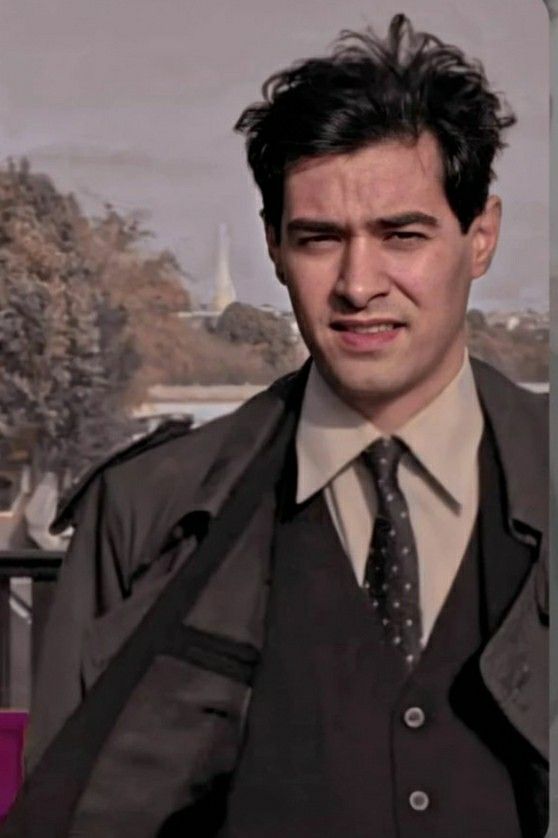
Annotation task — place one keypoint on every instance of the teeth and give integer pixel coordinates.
(366, 330)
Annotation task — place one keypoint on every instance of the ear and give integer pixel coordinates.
(274, 250)
(484, 236)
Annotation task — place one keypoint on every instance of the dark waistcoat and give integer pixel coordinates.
(340, 739)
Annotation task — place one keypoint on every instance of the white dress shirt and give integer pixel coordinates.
(439, 477)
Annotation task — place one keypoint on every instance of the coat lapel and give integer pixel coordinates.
(252, 425)
(506, 561)
(514, 663)
(520, 430)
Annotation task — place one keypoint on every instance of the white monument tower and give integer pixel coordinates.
(224, 293)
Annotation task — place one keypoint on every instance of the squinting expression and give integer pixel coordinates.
(379, 273)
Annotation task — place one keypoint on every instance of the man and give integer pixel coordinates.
(338, 590)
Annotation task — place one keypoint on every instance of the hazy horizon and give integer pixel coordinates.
(133, 105)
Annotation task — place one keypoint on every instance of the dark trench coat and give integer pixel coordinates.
(178, 735)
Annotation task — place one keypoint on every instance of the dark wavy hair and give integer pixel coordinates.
(370, 90)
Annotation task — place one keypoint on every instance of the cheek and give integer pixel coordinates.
(414, 274)
(437, 283)
(307, 303)
(414, 283)
(310, 286)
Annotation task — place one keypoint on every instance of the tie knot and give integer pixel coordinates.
(382, 457)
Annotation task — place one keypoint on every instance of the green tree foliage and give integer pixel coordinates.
(64, 356)
(245, 324)
(89, 319)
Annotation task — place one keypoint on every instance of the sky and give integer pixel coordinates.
(133, 103)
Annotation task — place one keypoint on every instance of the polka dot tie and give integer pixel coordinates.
(391, 576)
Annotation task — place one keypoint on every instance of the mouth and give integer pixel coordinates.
(366, 335)
(365, 328)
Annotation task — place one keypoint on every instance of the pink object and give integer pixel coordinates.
(12, 732)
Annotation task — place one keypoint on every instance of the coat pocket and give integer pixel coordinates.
(176, 740)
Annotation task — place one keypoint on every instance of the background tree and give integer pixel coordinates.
(266, 330)
(90, 317)
(64, 357)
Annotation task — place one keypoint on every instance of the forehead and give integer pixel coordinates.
(387, 176)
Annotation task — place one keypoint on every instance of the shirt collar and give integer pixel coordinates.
(444, 436)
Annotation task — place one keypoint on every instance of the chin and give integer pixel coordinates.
(358, 386)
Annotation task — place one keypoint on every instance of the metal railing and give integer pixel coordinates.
(41, 568)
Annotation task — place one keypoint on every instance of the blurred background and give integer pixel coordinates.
(134, 281)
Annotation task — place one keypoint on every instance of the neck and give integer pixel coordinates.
(390, 415)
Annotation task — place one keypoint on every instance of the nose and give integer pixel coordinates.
(362, 275)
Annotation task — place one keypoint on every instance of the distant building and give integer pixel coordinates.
(199, 318)
(224, 293)
(529, 319)
(196, 403)
(512, 322)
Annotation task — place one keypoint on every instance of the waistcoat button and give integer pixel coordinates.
(419, 800)
(414, 717)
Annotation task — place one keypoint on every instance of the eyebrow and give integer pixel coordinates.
(404, 219)
(313, 225)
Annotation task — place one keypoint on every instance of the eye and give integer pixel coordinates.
(403, 235)
(316, 239)
(405, 239)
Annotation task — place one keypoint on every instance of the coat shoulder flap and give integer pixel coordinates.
(166, 431)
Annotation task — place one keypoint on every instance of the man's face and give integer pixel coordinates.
(379, 272)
